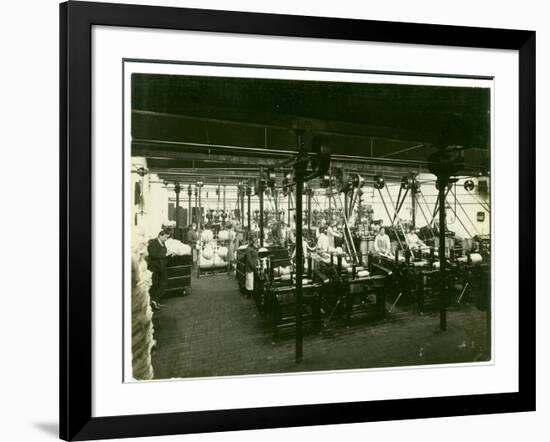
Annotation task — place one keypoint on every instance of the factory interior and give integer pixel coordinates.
(386, 187)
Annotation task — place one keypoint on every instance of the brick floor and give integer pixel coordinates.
(215, 331)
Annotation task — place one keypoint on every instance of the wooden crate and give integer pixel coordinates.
(179, 270)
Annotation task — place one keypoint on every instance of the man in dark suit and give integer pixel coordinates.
(156, 263)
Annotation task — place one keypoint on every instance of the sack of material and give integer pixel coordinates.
(222, 252)
(206, 263)
(208, 252)
(175, 247)
(142, 324)
(223, 235)
(207, 236)
(476, 258)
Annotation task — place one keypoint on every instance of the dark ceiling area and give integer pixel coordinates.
(183, 122)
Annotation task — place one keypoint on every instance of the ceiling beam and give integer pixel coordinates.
(259, 157)
(317, 126)
(193, 178)
(206, 173)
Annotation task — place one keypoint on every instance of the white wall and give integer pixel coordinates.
(29, 369)
(149, 216)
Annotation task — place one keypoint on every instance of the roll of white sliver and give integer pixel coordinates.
(476, 258)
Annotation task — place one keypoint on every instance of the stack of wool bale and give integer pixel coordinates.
(142, 315)
(176, 247)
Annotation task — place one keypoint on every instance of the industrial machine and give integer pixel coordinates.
(278, 296)
(350, 288)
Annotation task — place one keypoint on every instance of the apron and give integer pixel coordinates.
(249, 283)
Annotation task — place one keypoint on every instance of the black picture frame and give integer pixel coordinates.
(76, 21)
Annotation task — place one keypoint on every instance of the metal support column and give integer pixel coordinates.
(200, 208)
(177, 189)
(330, 200)
(442, 181)
(248, 193)
(261, 196)
(288, 206)
(189, 195)
(413, 204)
(299, 266)
(196, 206)
(241, 205)
(299, 173)
(309, 192)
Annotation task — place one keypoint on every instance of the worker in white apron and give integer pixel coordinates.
(332, 232)
(252, 260)
(382, 244)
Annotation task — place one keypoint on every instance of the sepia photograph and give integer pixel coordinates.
(286, 220)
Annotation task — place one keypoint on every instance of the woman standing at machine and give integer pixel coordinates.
(305, 249)
(332, 232)
(252, 259)
(382, 243)
(283, 233)
(322, 241)
(413, 241)
(231, 245)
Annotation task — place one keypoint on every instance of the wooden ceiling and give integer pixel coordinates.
(186, 124)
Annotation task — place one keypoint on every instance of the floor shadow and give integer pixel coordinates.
(51, 428)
